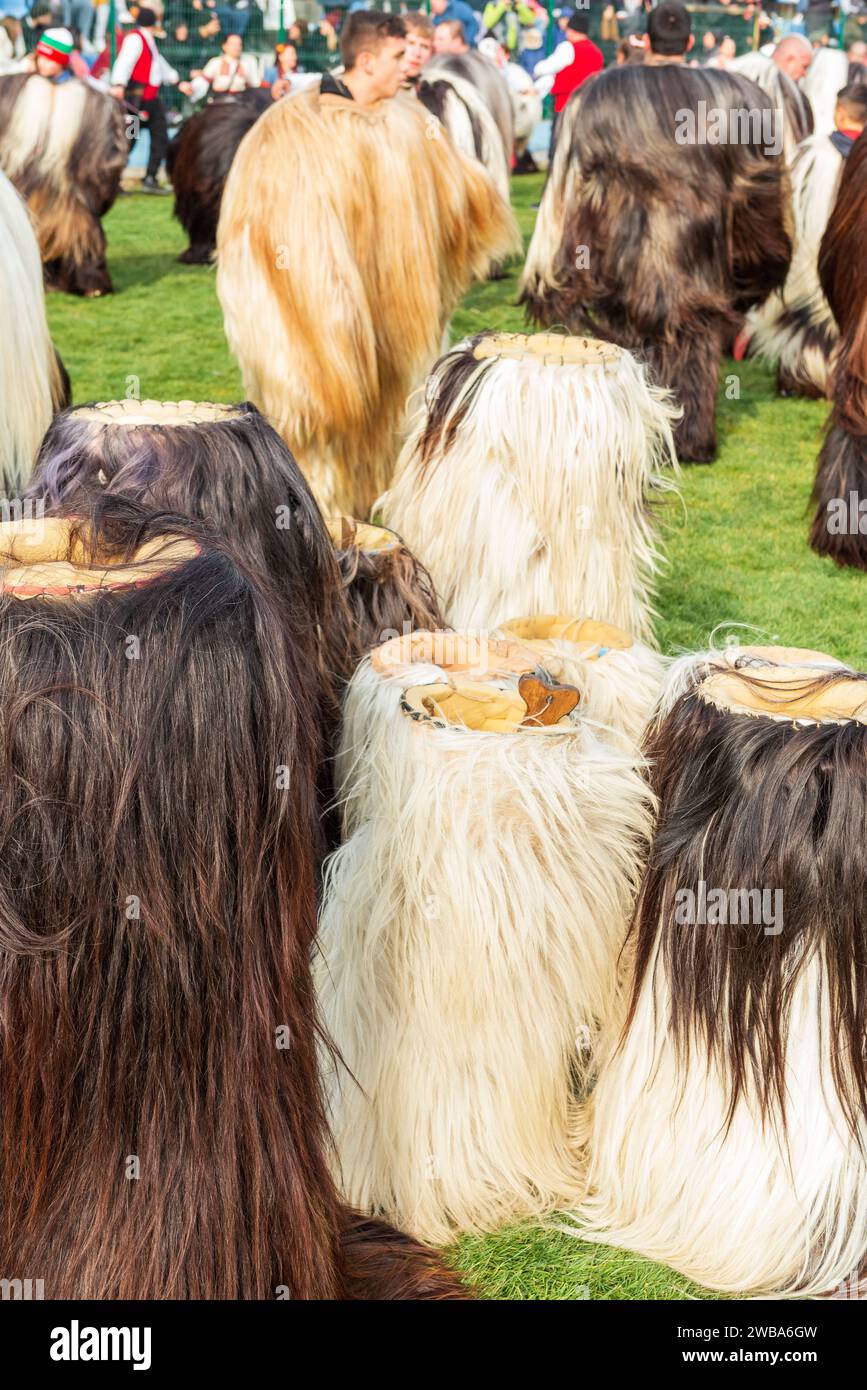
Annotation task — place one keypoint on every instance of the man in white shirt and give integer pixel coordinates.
(230, 72)
(138, 73)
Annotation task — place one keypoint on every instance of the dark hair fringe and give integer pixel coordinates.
(750, 802)
(447, 385)
(842, 465)
(683, 238)
(388, 591)
(156, 778)
(235, 475)
(198, 164)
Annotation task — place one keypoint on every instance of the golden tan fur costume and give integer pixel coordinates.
(346, 239)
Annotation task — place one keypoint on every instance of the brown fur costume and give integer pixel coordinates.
(63, 146)
(162, 1121)
(388, 591)
(840, 490)
(657, 242)
(198, 163)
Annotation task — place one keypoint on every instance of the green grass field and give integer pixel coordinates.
(736, 545)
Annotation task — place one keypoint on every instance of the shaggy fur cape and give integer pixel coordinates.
(785, 95)
(346, 239)
(388, 591)
(462, 110)
(659, 245)
(480, 73)
(198, 164)
(525, 483)
(841, 479)
(156, 827)
(795, 326)
(827, 75)
(727, 1133)
(33, 384)
(469, 937)
(226, 466)
(65, 150)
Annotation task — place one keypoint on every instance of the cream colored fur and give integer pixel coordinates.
(469, 940)
(827, 75)
(816, 174)
(28, 367)
(776, 85)
(346, 239)
(493, 157)
(45, 124)
(540, 503)
(736, 1210)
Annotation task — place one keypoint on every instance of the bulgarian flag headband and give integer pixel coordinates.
(56, 44)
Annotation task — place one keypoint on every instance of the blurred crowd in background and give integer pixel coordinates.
(176, 55)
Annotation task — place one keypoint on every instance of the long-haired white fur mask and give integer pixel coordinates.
(470, 930)
(525, 484)
(726, 1134)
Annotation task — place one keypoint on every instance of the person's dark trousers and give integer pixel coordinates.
(156, 124)
(555, 116)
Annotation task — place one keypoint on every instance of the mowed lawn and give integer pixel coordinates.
(736, 545)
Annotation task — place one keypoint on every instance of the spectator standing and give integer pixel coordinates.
(443, 10)
(234, 17)
(793, 55)
(532, 45)
(669, 34)
(228, 73)
(419, 45)
(450, 37)
(78, 14)
(571, 63)
(100, 24)
(51, 57)
(138, 73)
(505, 19)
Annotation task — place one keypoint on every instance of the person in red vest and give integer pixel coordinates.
(571, 63)
(138, 73)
